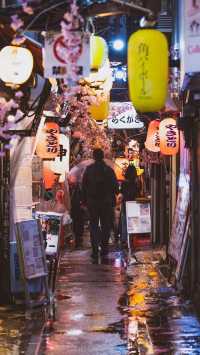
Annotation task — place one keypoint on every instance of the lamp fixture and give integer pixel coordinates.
(16, 65)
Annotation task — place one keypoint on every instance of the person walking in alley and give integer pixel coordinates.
(77, 212)
(99, 187)
(129, 190)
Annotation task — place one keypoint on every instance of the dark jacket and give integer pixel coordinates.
(76, 199)
(129, 190)
(99, 184)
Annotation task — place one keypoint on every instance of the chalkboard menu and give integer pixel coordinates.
(31, 249)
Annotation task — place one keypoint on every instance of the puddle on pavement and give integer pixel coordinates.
(154, 319)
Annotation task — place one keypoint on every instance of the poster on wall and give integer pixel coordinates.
(138, 217)
(180, 217)
(31, 249)
(190, 36)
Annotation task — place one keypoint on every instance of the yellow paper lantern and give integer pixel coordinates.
(48, 142)
(153, 139)
(16, 65)
(169, 137)
(101, 78)
(100, 111)
(148, 70)
(98, 52)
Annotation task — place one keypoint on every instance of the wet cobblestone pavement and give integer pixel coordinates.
(106, 309)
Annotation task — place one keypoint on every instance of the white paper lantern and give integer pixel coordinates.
(16, 65)
(61, 163)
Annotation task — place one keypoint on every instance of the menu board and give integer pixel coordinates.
(138, 217)
(180, 217)
(31, 249)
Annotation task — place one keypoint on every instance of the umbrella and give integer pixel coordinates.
(78, 170)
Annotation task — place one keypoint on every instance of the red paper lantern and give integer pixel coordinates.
(169, 137)
(49, 177)
(153, 140)
(48, 143)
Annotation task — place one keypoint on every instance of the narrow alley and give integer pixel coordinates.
(106, 309)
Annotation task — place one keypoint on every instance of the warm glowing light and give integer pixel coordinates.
(120, 167)
(49, 178)
(16, 65)
(153, 140)
(98, 52)
(48, 141)
(169, 137)
(102, 78)
(61, 163)
(100, 111)
(148, 70)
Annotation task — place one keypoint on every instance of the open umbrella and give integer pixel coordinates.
(78, 170)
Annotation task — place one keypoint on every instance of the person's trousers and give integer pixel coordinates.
(101, 221)
(78, 227)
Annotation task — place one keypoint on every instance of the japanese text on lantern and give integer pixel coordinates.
(143, 51)
(157, 138)
(171, 135)
(52, 140)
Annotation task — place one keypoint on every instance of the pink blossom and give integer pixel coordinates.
(28, 9)
(16, 23)
(19, 94)
(18, 40)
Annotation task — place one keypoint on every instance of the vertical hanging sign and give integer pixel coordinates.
(56, 53)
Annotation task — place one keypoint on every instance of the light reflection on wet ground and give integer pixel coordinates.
(106, 308)
(111, 310)
(20, 330)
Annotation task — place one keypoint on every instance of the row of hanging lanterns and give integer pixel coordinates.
(163, 137)
(147, 70)
(147, 67)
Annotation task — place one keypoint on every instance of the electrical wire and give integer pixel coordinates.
(44, 12)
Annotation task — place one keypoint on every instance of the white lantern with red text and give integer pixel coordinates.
(61, 163)
(16, 65)
(153, 140)
(169, 137)
(48, 141)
